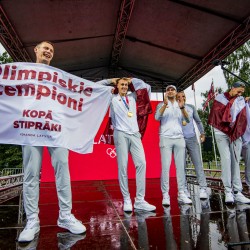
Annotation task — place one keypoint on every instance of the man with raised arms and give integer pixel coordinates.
(228, 116)
(32, 159)
(127, 139)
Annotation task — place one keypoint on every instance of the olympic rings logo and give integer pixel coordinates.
(111, 152)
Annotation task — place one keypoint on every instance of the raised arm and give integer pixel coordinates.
(184, 112)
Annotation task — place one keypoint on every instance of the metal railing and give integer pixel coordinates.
(10, 181)
(10, 171)
(10, 177)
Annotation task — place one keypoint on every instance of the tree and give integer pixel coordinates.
(5, 58)
(239, 65)
(10, 155)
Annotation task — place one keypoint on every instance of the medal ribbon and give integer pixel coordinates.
(126, 103)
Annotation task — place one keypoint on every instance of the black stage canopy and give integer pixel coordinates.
(162, 42)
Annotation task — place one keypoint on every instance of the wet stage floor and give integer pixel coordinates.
(207, 224)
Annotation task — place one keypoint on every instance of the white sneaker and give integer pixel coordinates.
(231, 211)
(205, 204)
(70, 223)
(31, 229)
(182, 198)
(241, 198)
(143, 205)
(66, 240)
(242, 207)
(141, 216)
(185, 209)
(166, 200)
(166, 211)
(127, 206)
(187, 193)
(229, 198)
(31, 245)
(203, 193)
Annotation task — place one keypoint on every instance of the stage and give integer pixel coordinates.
(207, 224)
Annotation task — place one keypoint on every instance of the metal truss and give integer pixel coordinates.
(11, 41)
(120, 33)
(10, 181)
(234, 40)
(213, 177)
(10, 193)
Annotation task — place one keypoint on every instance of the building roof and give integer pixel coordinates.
(162, 42)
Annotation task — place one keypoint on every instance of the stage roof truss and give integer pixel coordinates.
(161, 42)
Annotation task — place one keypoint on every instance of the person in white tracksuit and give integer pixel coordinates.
(32, 159)
(192, 145)
(228, 112)
(246, 157)
(172, 115)
(127, 139)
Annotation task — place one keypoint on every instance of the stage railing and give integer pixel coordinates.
(10, 171)
(10, 181)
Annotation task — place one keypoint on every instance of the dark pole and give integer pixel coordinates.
(223, 68)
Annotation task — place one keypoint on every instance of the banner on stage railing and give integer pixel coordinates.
(44, 106)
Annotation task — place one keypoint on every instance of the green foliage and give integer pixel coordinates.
(10, 155)
(239, 65)
(5, 58)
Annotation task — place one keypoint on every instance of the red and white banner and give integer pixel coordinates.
(44, 106)
(210, 96)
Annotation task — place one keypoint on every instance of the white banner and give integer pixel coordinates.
(44, 106)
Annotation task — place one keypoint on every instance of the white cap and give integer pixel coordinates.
(171, 86)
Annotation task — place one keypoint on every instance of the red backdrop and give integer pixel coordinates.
(101, 166)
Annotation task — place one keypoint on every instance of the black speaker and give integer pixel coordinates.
(208, 144)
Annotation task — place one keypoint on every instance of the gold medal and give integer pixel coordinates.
(130, 114)
(184, 123)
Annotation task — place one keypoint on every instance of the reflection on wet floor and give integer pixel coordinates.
(207, 224)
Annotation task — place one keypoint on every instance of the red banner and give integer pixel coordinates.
(102, 163)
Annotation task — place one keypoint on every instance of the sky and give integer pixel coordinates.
(1, 49)
(201, 86)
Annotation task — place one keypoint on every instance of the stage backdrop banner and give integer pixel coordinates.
(44, 106)
(102, 163)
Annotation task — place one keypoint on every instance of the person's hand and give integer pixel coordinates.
(114, 80)
(247, 98)
(181, 102)
(129, 79)
(165, 100)
(202, 137)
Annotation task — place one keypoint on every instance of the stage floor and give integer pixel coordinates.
(207, 224)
